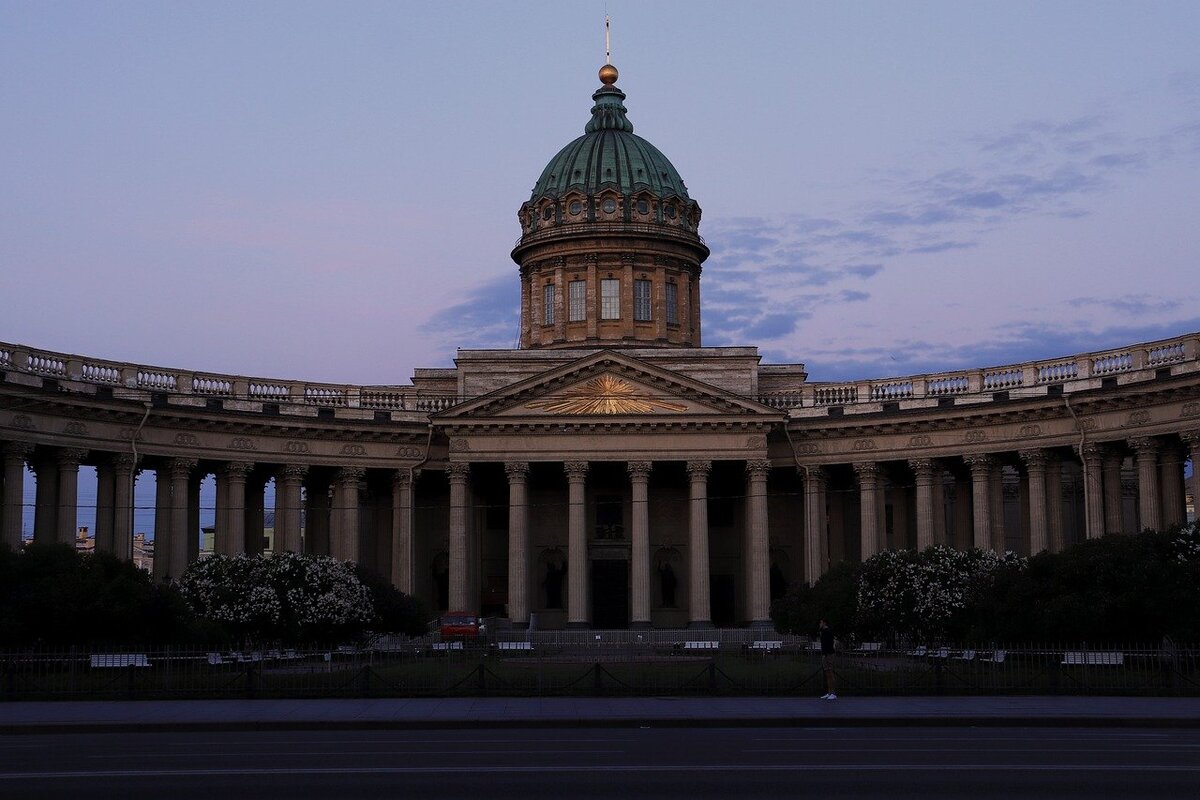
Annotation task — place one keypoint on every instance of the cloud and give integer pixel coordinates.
(487, 318)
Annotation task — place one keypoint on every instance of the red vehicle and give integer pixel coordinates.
(460, 625)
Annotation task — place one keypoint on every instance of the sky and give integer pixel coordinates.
(328, 191)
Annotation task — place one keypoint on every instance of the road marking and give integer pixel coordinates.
(735, 768)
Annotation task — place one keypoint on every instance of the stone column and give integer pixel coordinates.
(1054, 504)
(963, 538)
(900, 533)
(182, 532)
(344, 519)
(1035, 465)
(700, 604)
(1174, 512)
(459, 473)
(403, 553)
(1111, 468)
(193, 515)
(981, 506)
(105, 488)
(45, 508)
(316, 515)
(164, 537)
(15, 454)
(815, 545)
(1192, 440)
(1149, 503)
(256, 524)
(996, 507)
(67, 517)
(230, 537)
(939, 503)
(123, 477)
(577, 554)
(639, 554)
(1092, 458)
(758, 603)
(518, 542)
(289, 537)
(923, 477)
(868, 493)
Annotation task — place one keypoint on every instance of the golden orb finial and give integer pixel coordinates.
(608, 74)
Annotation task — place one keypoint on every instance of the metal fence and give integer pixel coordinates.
(590, 663)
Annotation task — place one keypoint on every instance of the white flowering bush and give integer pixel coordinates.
(1185, 544)
(287, 597)
(927, 594)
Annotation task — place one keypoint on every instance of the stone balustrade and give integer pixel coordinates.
(1076, 373)
(87, 371)
(1142, 362)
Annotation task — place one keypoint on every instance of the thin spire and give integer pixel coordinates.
(607, 42)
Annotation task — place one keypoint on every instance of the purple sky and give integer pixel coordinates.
(328, 191)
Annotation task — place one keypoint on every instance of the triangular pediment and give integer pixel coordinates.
(605, 386)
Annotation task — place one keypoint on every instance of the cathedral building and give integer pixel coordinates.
(612, 471)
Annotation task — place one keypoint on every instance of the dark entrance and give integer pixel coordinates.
(723, 601)
(610, 594)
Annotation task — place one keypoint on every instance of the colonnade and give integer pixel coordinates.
(579, 544)
(841, 511)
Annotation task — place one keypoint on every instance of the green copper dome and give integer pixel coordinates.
(609, 156)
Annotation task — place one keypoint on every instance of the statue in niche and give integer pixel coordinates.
(667, 583)
(554, 584)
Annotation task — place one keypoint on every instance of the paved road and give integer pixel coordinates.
(656, 762)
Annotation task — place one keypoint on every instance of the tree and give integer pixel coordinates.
(52, 596)
(1117, 589)
(833, 598)
(395, 611)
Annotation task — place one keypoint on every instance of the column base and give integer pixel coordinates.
(700, 624)
(579, 626)
(640, 626)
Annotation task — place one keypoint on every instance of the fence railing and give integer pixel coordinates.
(605, 663)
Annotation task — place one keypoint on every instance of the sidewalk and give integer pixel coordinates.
(149, 715)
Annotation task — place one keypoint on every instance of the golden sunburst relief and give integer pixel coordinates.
(605, 395)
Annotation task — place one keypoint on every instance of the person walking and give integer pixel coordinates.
(827, 649)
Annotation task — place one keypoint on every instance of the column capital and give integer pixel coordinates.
(1144, 445)
(576, 470)
(922, 467)
(403, 478)
(1090, 451)
(979, 462)
(237, 470)
(294, 472)
(458, 471)
(21, 450)
(517, 471)
(1034, 458)
(639, 470)
(867, 471)
(181, 468)
(122, 462)
(758, 468)
(350, 474)
(1191, 438)
(815, 473)
(699, 470)
(70, 457)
